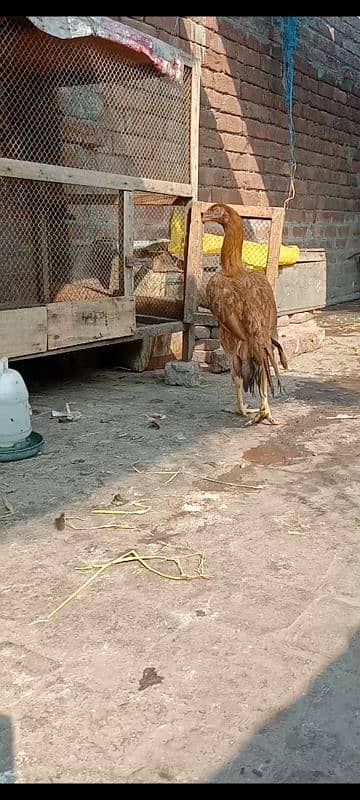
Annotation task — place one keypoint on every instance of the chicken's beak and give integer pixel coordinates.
(206, 216)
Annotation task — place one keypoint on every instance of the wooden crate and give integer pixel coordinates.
(42, 329)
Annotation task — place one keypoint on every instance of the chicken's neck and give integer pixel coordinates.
(231, 251)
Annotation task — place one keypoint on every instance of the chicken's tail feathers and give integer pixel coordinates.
(251, 370)
(280, 349)
(270, 359)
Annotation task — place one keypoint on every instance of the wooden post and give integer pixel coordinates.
(194, 129)
(114, 283)
(120, 265)
(272, 267)
(128, 243)
(192, 277)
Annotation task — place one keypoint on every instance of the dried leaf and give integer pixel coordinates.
(8, 505)
(60, 522)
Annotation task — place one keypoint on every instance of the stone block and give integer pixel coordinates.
(183, 373)
(206, 344)
(202, 332)
(283, 321)
(304, 316)
(219, 361)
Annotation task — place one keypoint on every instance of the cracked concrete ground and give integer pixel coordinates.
(249, 677)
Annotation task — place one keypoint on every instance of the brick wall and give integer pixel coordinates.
(244, 129)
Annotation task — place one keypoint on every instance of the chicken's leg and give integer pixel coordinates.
(264, 411)
(241, 409)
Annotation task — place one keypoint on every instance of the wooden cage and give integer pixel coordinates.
(99, 150)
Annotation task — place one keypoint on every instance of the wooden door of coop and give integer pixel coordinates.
(263, 228)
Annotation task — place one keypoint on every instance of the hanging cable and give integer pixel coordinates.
(288, 27)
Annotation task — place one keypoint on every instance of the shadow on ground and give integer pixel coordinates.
(114, 432)
(314, 740)
(6, 750)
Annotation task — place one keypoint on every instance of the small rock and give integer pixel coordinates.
(219, 361)
(182, 373)
(283, 321)
(149, 678)
(305, 316)
(201, 332)
(215, 332)
(206, 344)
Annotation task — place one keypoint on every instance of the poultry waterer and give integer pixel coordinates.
(17, 440)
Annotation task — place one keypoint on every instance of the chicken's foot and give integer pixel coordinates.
(241, 409)
(264, 412)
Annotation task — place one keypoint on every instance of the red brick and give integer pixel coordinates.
(204, 194)
(299, 231)
(221, 195)
(214, 158)
(207, 119)
(210, 138)
(229, 123)
(223, 102)
(225, 84)
(168, 24)
(236, 144)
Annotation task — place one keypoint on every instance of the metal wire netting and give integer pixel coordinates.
(58, 242)
(78, 104)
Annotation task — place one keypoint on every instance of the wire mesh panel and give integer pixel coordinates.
(58, 242)
(77, 104)
(158, 247)
(254, 253)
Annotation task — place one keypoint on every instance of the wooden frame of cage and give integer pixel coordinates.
(60, 327)
(194, 261)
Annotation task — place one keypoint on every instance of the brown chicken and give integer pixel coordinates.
(243, 303)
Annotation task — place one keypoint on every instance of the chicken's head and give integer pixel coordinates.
(217, 213)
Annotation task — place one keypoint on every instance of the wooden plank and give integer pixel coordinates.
(157, 200)
(192, 261)
(141, 332)
(23, 331)
(311, 255)
(194, 127)
(272, 266)
(128, 243)
(31, 170)
(175, 326)
(83, 321)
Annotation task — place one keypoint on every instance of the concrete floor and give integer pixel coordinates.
(250, 677)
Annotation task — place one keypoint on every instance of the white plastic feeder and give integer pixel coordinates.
(15, 409)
